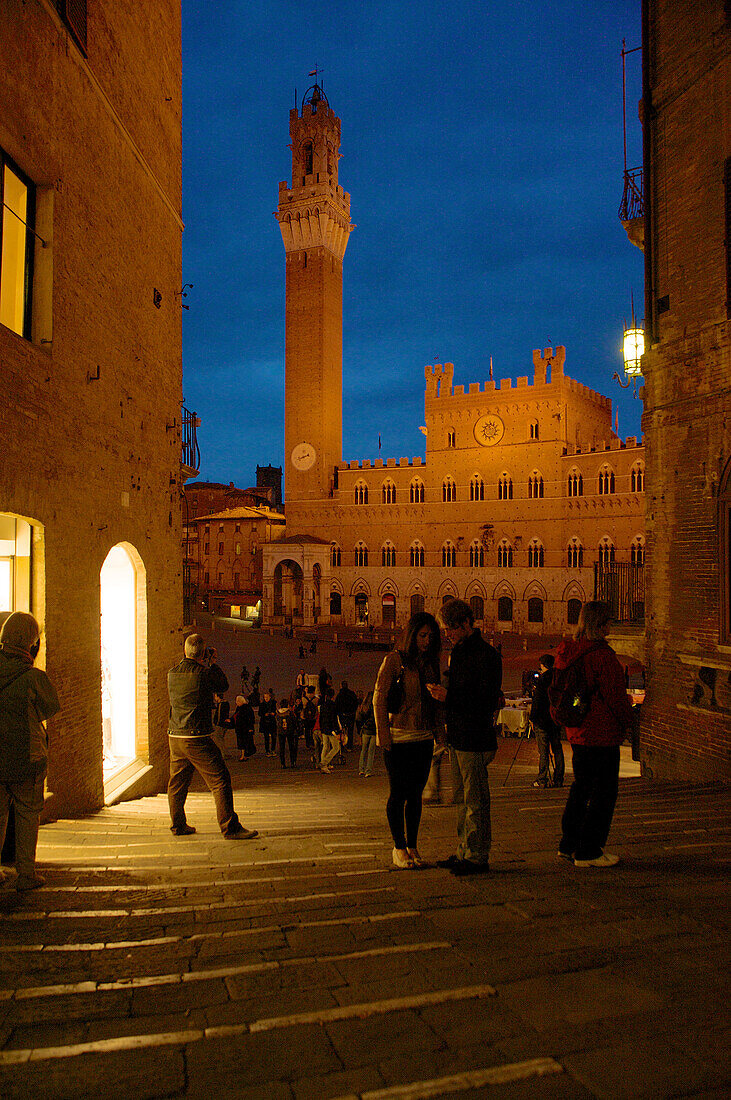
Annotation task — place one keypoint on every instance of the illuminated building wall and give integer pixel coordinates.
(90, 346)
(687, 367)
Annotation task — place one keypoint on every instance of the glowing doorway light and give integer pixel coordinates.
(118, 658)
(6, 584)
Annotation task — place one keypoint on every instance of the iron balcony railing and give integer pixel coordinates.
(191, 456)
(621, 585)
(633, 196)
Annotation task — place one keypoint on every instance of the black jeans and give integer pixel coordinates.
(291, 740)
(407, 764)
(202, 755)
(544, 739)
(590, 806)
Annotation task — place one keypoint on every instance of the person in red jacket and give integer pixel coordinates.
(595, 744)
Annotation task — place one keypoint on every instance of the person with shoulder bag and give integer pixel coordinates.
(406, 725)
(599, 698)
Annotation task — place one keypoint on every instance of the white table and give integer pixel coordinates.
(514, 720)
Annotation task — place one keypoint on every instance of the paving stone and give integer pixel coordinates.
(146, 1075)
(367, 1041)
(641, 1069)
(264, 1057)
(348, 1082)
(576, 997)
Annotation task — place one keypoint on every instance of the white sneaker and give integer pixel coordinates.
(606, 859)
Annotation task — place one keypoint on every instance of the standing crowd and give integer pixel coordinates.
(422, 712)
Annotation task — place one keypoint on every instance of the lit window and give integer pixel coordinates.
(535, 486)
(505, 487)
(17, 196)
(416, 555)
(576, 484)
(606, 481)
(361, 493)
(535, 555)
(388, 492)
(416, 491)
(505, 555)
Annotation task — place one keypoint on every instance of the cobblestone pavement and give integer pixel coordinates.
(300, 965)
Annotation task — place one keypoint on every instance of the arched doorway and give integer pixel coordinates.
(288, 591)
(361, 609)
(388, 609)
(118, 600)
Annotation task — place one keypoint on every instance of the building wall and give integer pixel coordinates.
(549, 410)
(91, 436)
(225, 554)
(687, 367)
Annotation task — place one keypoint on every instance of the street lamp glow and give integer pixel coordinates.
(634, 349)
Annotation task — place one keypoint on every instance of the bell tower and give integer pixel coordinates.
(314, 217)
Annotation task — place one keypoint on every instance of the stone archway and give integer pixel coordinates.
(288, 595)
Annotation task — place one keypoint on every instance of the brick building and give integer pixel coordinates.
(686, 111)
(223, 556)
(524, 490)
(90, 343)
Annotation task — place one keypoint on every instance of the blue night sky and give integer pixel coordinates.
(482, 149)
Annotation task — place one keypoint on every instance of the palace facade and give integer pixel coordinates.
(526, 503)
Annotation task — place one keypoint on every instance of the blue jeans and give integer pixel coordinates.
(202, 755)
(472, 799)
(367, 752)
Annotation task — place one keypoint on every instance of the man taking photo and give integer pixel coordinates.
(191, 687)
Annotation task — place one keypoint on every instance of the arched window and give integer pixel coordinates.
(449, 555)
(451, 438)
(505, 609)
(336, 603)
(361, 554)
(535, 486)
(534, 429)
(388, 492)
(477, 555)
(637, 478)
(416, 491)
(573, 609)
(388, 609)
(477, 488)
(361, 492)
(576, 484)
(535, 609)
(307, 158)
(449, 490)
(637, 550)
(335, 554)
(535, 554)
(606, 552)
(417, 603)
(606, 480)
(505, 487)
(575, 555)
(388, 554)
(477, 606)
(505, 555)
(416, 555)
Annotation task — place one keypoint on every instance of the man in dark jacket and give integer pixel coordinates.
(472, 699)
(191, 687)
(346, 704)
(547, 732)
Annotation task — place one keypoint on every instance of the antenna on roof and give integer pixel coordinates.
(491, 368)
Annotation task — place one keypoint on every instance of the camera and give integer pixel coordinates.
(207, 654)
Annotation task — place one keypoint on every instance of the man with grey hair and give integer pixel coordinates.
(471, 696)
(191, 687)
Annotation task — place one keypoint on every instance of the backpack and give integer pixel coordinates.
(309, 712)
(569, 694)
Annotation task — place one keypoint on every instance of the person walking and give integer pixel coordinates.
(346, 704)
(587, 817)
(286, 733)
(268, 721)
(548, 732)
(328, 727)
(406, 725)
(191, 687)
(242, 721)
(27, 700)
(365, 723)
(472, 695)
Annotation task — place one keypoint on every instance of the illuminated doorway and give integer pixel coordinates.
(118, 658)
(15, 563)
